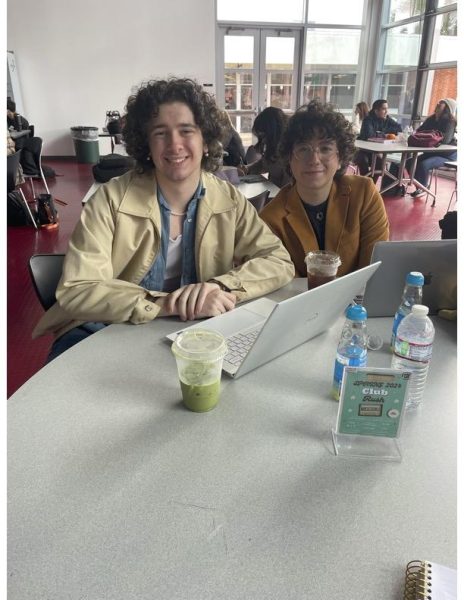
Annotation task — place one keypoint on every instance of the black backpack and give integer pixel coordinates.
(112, 165)
(16, 211)
(449, 226)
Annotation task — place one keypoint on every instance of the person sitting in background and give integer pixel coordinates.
(376, 123)
(14, 120)
(269, 127)
(167, 238)
(231, 142)
(443, 120)
(361, 111)
(11, 149)
(325, 209)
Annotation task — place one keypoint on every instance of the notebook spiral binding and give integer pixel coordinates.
(418, 584)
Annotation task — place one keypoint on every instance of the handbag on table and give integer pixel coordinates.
(425, 139)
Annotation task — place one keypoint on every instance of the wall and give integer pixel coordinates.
(76, 60)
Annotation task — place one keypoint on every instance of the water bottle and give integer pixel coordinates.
(352, 347)
(412, 294)
(413, 350)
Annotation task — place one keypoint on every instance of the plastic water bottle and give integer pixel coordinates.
(412, 294)
(352, 347)
(413, 350)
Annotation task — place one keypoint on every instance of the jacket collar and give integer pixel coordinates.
(337, 211)
(140, 198)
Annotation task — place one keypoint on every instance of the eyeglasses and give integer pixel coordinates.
(326, 151)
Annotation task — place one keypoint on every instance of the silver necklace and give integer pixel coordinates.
(178, 214)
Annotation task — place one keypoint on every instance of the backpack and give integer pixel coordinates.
(449, 226)
(16, 211)
(112, 165)
(47, 215)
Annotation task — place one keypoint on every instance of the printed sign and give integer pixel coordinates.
(372, 401)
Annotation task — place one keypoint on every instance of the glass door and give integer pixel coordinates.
(260, 69)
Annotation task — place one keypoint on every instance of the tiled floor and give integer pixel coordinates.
(410, 219)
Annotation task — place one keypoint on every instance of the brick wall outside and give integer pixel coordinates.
(444, 86)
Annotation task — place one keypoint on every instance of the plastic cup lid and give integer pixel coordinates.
(323, 257)
(200, 345)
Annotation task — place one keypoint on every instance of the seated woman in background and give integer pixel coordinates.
(231, 143)
(360, 113)
(325, 209)
(269, 127)
(444, 121)
(376, 123)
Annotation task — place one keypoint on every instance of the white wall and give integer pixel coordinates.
(78, 59)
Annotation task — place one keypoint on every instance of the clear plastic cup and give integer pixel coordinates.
(322, 266)
(199, 354)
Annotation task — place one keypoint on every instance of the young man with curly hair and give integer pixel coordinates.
(324, 209)
(167, 238)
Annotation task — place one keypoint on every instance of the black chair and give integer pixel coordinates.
(45, 271)
(12, 165)
(259, 200)
(31, 161)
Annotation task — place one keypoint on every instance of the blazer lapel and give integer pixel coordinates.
(299, 222)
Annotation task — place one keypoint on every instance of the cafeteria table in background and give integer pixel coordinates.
(115, 490)
(383, 149)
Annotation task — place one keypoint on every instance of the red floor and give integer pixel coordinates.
(409, 220)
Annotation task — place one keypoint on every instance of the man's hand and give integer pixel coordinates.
(198, 300)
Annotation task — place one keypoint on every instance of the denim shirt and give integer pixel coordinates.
(154, 278)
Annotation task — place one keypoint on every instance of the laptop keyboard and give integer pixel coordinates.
(239, 345)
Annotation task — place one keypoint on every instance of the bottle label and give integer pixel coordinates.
(413, 351)
(344, 361)
(396, 321)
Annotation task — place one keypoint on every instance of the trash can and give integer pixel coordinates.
(85, 140)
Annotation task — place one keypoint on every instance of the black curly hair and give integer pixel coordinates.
(321, 121)
(269, 127)
(144, 104)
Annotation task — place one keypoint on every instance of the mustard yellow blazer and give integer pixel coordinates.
(355, 220)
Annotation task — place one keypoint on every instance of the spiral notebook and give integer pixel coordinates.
(429, 581)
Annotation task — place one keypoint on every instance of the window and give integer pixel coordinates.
(331, 66)
(261, 11)
(417, 59)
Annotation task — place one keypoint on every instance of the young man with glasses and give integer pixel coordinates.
(324, 209)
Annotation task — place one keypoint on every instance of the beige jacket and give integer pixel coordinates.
(117, 240)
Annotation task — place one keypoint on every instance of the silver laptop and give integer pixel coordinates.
(435, 259)
(263, 329)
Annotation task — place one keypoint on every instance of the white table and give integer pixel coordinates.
(249, 190)
(385, 148)
(118, 492)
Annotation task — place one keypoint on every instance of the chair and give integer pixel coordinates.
(45, 271)
(259, 200)
(12, 164)
(450, 167)
(32, 153)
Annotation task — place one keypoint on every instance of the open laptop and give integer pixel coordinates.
(263, 329)
(435, 259)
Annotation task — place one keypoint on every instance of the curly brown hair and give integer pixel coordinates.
(319, 120)
(144, 104)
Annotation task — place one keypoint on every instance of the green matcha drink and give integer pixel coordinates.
(200, 398)
(199, 354)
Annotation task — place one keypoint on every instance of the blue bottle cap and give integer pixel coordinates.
(356, 313)
(415, 278)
